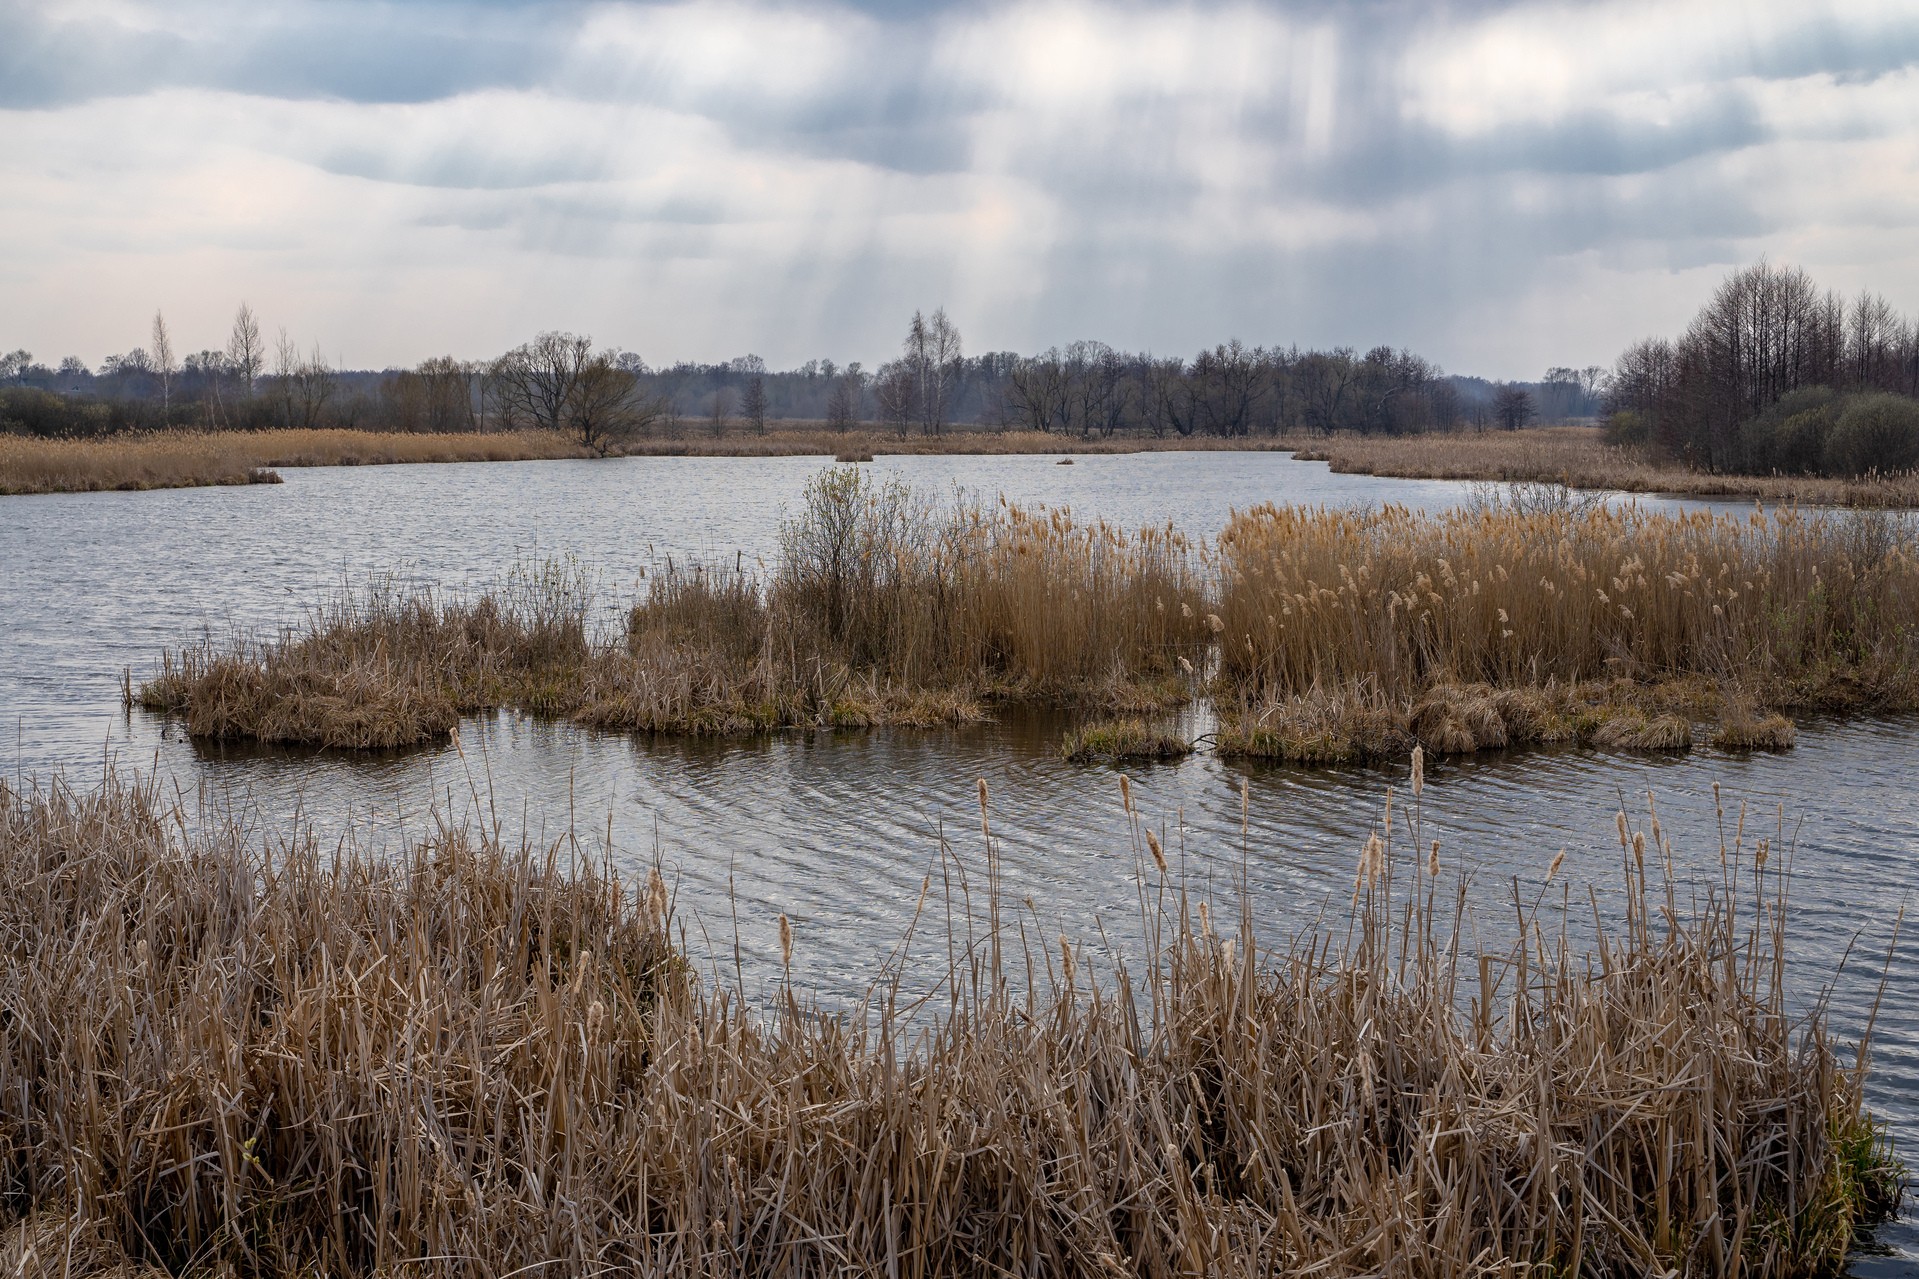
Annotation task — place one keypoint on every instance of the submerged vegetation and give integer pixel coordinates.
(1318, 635)
(264, 1057)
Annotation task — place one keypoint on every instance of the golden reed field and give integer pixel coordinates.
(230, 1052)
(189, 459)
(1579, 456)
(1313, 635)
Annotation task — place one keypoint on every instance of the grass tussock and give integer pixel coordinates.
(1352, 635)
(884, 608)
(1115, 740)
(468, 1060)
(189, 459)
(1580, 457)
(385, 668)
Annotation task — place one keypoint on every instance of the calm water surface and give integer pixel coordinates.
(838, 830)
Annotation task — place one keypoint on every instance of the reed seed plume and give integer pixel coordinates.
(1354, 634)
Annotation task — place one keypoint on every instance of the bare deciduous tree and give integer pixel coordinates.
(246, 351)
(896, 394)
(1512, 406)
(717, 409)
(843, 405)
(534, 383)
(164, 363)
(753, 403)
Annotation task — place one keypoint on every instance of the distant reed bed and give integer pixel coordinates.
(188, 459)
(266, 1057)
(163, 459)
(1580, 456)
(883, 608)
(1344, 633)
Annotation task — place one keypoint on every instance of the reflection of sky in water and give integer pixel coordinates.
(837, 830)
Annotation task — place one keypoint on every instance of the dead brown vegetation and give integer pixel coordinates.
(1346, 635)
(1578, 456)
(468, 1059)
(884, 608)
(190, 459)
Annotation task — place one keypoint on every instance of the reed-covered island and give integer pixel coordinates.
(241, 1052)
(1314, 635)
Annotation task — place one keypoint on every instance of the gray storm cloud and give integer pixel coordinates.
(1500, 187)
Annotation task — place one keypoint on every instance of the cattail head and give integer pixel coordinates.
(1159, 857)
(786, 941)
(982, 806)
(1639, 849)
(1184, 665)
(1419, 770)
(595, 1015)
(1432, 864)
(1125, 793)
(1553, 869)
(1066, 957)
(1214, 623)
(655, 898)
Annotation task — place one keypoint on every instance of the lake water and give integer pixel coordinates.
(838, 830)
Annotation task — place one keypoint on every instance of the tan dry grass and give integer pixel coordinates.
(1580, 457)
(474, 1060)
(189, 459)
(1353, 634)
(883, 609)
(814, 439)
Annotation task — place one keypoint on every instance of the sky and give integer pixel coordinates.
(1500, 187)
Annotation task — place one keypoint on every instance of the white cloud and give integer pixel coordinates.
(702, 178)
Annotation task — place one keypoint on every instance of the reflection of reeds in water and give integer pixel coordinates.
(1356, 633)
(472, 1059)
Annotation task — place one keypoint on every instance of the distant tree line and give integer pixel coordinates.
(1775, 375)
(603, 395)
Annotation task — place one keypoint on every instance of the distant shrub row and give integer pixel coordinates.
(1813, 430)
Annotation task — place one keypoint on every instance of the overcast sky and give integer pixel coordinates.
(1499, 187)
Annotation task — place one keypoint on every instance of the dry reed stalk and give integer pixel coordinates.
(469, 1060)
(1579, 456)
